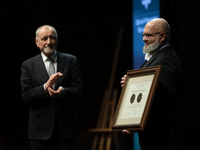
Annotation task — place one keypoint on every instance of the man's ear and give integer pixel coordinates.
(163, 34)
(36, 42)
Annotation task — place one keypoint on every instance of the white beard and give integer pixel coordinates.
(152, 47)
(48, 50)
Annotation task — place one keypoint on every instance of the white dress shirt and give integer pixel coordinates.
(47, 62)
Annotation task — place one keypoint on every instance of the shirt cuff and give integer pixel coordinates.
(45, 88)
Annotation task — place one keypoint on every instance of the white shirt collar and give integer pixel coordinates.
(148, 56)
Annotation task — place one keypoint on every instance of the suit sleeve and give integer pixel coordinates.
(75, 90)
(30, 93)
(171, 76)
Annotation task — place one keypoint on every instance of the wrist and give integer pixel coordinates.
(46, 86)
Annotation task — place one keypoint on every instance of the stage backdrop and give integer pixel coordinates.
(143, 11)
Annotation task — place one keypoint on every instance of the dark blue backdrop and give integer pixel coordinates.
(143, 11)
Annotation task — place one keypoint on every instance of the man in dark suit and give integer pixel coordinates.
(162, 130)
(51, 82)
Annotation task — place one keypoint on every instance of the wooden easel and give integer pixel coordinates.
(103, 136)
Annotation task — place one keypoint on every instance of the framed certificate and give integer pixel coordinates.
(136, 98)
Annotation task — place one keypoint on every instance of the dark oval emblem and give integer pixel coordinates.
(139, 98)
(132, 98)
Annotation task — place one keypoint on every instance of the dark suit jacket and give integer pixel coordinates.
(44, 109)
(164, 120)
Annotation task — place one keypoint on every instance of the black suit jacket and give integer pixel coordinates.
(44, 109)
(163, 124)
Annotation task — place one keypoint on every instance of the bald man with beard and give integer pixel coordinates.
(162, 130)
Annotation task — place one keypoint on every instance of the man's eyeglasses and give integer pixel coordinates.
(150, 35)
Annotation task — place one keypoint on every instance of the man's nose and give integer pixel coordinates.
(145, 38)
(49, 40)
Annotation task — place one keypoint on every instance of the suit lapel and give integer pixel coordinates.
(148, 63)
(60, 62)
(60, 66)
(41, 69)
(143, 65)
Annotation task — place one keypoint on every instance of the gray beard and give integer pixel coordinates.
(152, 47)
(48, 50)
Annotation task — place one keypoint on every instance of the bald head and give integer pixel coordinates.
(159, 24)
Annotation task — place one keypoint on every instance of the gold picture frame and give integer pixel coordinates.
(136, 98)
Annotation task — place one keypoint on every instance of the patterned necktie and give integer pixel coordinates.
(51, 66)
